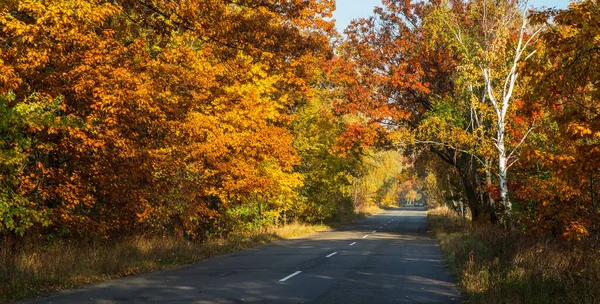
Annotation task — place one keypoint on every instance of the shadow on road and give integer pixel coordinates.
(399, 263)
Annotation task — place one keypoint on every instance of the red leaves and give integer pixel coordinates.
(355, 139)
(562, 196)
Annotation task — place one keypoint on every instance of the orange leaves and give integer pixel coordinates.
(388, 72)
(355, 139)
(563, 196)
(168, 110)
(576, 230)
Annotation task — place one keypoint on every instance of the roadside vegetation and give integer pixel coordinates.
(37, 268)
(496, 266)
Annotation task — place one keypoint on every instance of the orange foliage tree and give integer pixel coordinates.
(558, 180)
(393, 72)
(163, 112)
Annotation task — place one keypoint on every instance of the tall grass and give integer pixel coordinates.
(495, 266)
(368, 210)
(37, 268)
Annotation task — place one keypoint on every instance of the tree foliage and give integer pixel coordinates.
(558, 180)
(199, 118)
(166, 113)
(486, 86)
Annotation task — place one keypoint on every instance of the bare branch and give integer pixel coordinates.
(430, 142)
(522, 139)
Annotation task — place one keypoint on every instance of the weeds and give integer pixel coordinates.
(495, 266)
(39, 268)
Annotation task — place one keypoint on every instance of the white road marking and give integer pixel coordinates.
(352, 243)
(331, 254)
(366, 235)
(381, 227)
(374, 231)
(290, 276)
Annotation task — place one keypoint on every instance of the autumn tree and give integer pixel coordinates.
(558, 174)
(176, 110)
(22, 134)
(492, 40)
(328, 173)
(397, 75)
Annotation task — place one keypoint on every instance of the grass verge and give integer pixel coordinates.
(39, 269)
(495, 266)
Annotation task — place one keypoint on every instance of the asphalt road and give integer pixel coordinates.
(386, 258)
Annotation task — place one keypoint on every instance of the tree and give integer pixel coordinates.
(328, 173)
(24, 129)
(493, 41)
(411, 196)
(180, 108)
(396, 75)
(557, 180)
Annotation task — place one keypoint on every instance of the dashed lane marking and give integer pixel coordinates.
(290, 276)
(331, 254)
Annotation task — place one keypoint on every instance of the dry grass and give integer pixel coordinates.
(369, 210)
(36, 269)
(295, 230)
(493, 266)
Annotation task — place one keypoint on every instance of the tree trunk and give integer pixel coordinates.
(472, 197)
(502, 170)
(593, 191)
(466, 171)
(491, 202)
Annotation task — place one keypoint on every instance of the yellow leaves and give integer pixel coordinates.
(8, 78)
(402, 136)
(281, 185)
(576, 231)
(579, 129)
(170, 111)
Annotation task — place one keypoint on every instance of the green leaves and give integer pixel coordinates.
(22, 129)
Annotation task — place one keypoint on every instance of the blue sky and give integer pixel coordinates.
(350, 9)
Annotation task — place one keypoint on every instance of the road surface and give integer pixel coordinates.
(386, 258)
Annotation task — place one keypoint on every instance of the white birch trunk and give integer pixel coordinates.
(499, 92)
(503, 170)
(501, 106)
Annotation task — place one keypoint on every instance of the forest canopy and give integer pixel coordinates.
(200, 118)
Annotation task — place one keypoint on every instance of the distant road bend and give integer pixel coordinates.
(386, 258)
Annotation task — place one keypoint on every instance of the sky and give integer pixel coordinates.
(346, 10)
